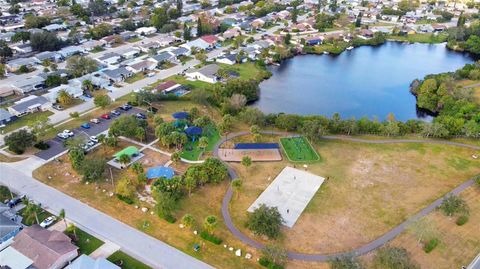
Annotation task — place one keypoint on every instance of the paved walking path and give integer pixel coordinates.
(139, 245)
(357, 251)
(105, 250)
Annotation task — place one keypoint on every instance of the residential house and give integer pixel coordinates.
(46, 249)
(7, 37)
(167, 86)
(110, 58)
(86, 262)
(14, 65)
(11, 258)
(6, 90)
(146, 47)
(22, 48)
(207, 73)
(73, 88)
(197, 43)
(142, 66)
(145, 31)
(313, 40)
(55, 27)
(70, 51)
(165, 56)
(92, 44)
(127, 35)
(48, 55)
(96, 79)
(30, 104)
(29, 84)
(118, 74)
(166, 40)
(5, 117)
(230, 59)
(110, 40)
(129, 53)
(257, 23)
(10, 226)
(232, 33)
(180, 51)
(439, 27)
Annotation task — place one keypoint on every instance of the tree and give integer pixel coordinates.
(215, 170)
(203, 142)
(137, 168)
(275, 254)
(394, 258)
(188, 220)
(97, 7)
(175, 157)
(87, 85)
(246, 161)
(76, 156)
(346, 262)
(92, 169)
(20, 140)
(358, 21)
(64, 97)
(453, 204)
(5, 50)
(236, 186)
(81, 65)
(32, 21)
(102, 100)
(129, 126)
(187, 32)
(101, 30)
(61, 215)
(3, 70)
(31, 211)
(71, 229)
(201, 56)
(265, 221)
(22, 36)
(124, 159)
(125, 188)
(45, 41)
(179, 5)
(166, 204)
(41, 126)
(210, 224)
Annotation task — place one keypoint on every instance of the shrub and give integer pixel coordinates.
(453, 204)
(462, 220)
(169, 218)
(394, 258)
(431, 245)
(265, 221)
(265, 263)
(127, 200)
(41, 145)
(74, 114)
(209, 237)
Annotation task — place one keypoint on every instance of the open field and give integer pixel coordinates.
(299, 149)
(369, 189)
(26, 120)
(458, 244)
(203, 202)
(126, 261)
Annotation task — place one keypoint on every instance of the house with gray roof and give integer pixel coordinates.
(14, 65)
(29, 84)
(117, 74)
(163, 57)
(70, 51)
(180, 51)
(48, 55)
(30, 104)
(110, 58)
(87, 262)
(5, 116)
(207, 73)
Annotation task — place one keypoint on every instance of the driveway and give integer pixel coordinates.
(57, 144)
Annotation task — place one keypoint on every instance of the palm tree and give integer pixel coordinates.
(137, 168)
(61, 215)
(188, 220)
(203, 142)
(64, 97)
(72, 229)
(246, 161)
(31, 211)
(124, 159)
(237, 186)
(175, 157)
(210, 224)
(87, 85)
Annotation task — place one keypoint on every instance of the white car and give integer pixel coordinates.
(48, 221)
(96, 121)
(68, 132)
(63, 135)
(94, 139)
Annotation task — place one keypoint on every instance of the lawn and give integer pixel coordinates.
(369, 190)
(247, 70)
(135, 78)
(421, 38)
(298, 149)
(26, 120)
(458, 244)
(97, 49)
(191, 150)
(134, 40)
(85, 242)
(126, 262)
(192, 85)
(29, 222)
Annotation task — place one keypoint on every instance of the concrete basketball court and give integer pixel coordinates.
(290, 192)
(257, 155)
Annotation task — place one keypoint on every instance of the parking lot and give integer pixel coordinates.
(57, 144)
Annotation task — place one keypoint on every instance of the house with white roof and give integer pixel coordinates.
(207, 73)
(146, 30)
(29, 84)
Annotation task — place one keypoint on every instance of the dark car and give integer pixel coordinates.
(15, 201)
(141, 116)
(87, 95)
(126, 107)
(105, 116)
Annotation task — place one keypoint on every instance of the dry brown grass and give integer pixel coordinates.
(458, 244)
(371, 188)
(203, 202)
(7, 159)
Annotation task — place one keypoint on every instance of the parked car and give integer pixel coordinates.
(68, 132)
(57, 107)
(15, 201)
(150, 74)
(141, 116)
(96, 121)
(87, 95)
(63, 136)
(126, 107)
(105, 116)
(85, 125)
(115, 113)
(94, 138)
(48, 221)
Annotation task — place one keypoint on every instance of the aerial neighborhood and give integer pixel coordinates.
(239, 134)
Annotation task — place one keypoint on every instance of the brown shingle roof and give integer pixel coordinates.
(42, 246)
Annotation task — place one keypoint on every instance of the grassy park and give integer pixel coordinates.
(298, 149)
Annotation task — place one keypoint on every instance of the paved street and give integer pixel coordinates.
(137, 244)
(57, 144)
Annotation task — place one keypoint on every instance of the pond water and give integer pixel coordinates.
(366, 81)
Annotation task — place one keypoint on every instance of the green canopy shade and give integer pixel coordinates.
(130, 151)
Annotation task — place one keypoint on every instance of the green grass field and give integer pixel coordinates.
(86, 242)
(126, 261)
(26, 120)
(298, 149)
(195, 152)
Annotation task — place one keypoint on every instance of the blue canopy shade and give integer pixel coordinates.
(160, 171)
(256, 146)
(180, 115)
(193, 130)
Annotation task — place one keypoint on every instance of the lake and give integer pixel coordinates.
(366, 81)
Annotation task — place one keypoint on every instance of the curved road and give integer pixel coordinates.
(357, 251)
